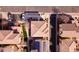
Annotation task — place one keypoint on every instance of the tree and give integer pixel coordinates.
(64, 18)
(24, 32)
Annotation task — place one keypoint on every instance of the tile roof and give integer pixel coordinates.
(68, 42)
(69, 9)
(12, 36)
(68, 27)
(1, 37)
(35, 26)
(8, 37)
(3, 34)
(25, 8)
(77, 29)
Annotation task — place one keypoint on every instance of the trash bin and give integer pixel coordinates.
(37, 45)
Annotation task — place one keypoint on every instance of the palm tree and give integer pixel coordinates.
(25, 37)
(24, 32)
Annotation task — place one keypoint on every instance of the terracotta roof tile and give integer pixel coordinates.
(68, 42)
(68, 27)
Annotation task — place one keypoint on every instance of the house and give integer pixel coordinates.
(68, 37)
(67, 45)
(8, 37)
(77, 33)
(68, 30)
(40, 29)
(11, 39)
